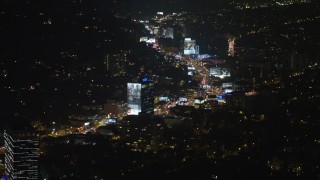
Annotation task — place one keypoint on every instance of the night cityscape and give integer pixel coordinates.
(150, 89)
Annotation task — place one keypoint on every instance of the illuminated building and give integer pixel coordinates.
(231, 47)
(140, 97)
(134, 98)
(115, 64)
(147, 96)
(197, 49)
(21, 157)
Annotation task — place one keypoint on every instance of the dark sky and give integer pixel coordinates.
(172, 5)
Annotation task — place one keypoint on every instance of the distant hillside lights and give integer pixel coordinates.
(288, 2)
(261, 4)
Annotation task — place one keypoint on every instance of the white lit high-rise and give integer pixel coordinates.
(21, 157)
(140, 97)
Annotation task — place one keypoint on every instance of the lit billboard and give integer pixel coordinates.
(191, 70)
(183, 99)
(203, 56)
(148, 40)
(214, 71)
(111, 120)
(220, 72)
(151, 41)
(163, 98)
(225, 72)
(189, 46)
(143, 39)
(134, 98)
(198, 101)
(206, 86)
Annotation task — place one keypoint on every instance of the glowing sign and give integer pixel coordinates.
(111, 120)
(148, 40)
(228, 90)
(183, 99)
(203, 56)
(163, 99)
(151, 41)
(189, 46)
(206, 86)
(191, 70)
(143, 39)
(227, 87)
(144, 79)
(220, 72)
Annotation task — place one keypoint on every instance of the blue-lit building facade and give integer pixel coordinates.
(147, 96)
(21, 157)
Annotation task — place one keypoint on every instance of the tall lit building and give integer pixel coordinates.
(134, 98)
(140, 97)
(147, 96)
(21, 157)
(231, 46)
